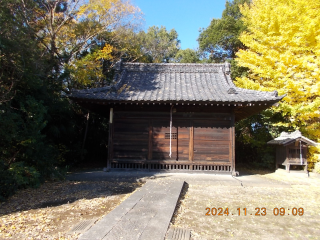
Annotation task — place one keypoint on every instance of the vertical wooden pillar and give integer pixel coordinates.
(233, 145)
(191, 144)
(287, 159)
(110, 140)
(177, 149)
(150, 140)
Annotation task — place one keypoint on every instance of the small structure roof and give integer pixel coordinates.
(288, 138)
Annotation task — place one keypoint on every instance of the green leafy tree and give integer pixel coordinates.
(158, 44)
(252, 134)
(187, 56)
(24, 152)
(127, 45)
(36, 123)
(221, 39)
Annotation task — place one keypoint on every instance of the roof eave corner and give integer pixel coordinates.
(282, 96)
(309, 141)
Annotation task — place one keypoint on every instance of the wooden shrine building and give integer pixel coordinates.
(291, 149)
(173, 116)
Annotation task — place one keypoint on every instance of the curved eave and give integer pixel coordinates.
(241, 109)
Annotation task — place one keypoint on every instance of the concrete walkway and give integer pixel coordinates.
(145, 215)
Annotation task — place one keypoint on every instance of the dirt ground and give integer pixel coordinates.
(50, 211)
(295, 193)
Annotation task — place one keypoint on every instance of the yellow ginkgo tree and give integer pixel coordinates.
(283, 54)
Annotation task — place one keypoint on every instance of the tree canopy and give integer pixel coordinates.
(42, 45)
(68, 27)
(187, 56)
(283, 54)
(92, 67)
(221, 39)
(158, 44)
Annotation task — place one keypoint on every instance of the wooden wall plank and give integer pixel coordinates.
(191, 143)
(150, 140)
(110, 139)
(131, 139)
(233, 144)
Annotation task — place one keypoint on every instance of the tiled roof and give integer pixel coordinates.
(165, 82)
(287, 138)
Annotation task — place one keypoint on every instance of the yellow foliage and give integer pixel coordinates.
(89, 69)
(66, 33)
(314, 154)
(283, 40)
(91, 18)
(106, 12)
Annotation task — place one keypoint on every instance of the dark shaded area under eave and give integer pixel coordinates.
(241, 112)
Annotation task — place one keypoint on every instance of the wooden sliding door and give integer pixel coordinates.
(211, 140)
(131, 138)
(179, 140)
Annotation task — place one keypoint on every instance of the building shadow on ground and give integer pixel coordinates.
(77, 186)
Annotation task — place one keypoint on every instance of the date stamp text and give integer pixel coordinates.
(258, 211)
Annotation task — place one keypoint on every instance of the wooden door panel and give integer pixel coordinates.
(179, 141)
(130, 139)
(211, 140)
(183, 130)
(161, 140)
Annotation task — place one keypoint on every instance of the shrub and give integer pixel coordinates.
(7, 183)
(24, 176)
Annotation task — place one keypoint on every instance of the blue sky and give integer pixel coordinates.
(185, 16)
